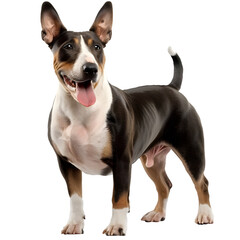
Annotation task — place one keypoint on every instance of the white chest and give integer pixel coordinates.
(81, 134)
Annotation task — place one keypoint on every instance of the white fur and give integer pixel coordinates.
(171, 52)
(165, 200)
(118, 221)
(79, 133)
(205, 214)
(75, 223)
(76, 209)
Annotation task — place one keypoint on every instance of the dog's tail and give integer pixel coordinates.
(178, 70)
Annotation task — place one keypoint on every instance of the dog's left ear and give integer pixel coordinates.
(102, 25)
(52, 26)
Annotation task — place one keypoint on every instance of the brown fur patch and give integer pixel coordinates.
(107, 151)
(61, 65)
(76, 40)
(89, 42)
(202, 190)
(101, 67)
(74, 180)
(122, 202)
(95, 84)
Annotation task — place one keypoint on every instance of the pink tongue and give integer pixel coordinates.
(85, 94)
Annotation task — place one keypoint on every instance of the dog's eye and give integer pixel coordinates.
(68, 46)
(97, 47)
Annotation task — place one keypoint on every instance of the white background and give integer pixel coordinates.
(34, 202)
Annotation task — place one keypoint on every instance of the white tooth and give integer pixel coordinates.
(71, 88)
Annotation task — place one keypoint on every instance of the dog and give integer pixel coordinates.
(96, 128)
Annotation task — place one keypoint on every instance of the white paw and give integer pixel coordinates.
(205, 215)
(72, 228)
(154, 216)
(118, 224)
(76, 218)
(115, 230)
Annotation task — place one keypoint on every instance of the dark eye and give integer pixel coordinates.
(68, 46)
(97, 47)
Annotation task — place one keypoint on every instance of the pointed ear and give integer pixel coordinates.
(52, 26)
(102, 25)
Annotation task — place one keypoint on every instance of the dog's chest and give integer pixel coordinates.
(83, 140)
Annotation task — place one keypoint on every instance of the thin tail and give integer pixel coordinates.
(178, 70)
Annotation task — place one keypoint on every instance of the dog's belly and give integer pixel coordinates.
(83, 148)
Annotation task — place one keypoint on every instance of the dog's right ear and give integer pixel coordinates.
(52, 26)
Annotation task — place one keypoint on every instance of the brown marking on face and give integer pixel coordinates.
(76, 40)
(61, 65)
(55, 60)
(95, 84)
(101, 68)
(102, 65)
(107, 151)
(122, 202)
(89, 42)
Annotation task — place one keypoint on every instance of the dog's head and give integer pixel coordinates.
(78, 56)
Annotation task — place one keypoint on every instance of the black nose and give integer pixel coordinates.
(90, 69)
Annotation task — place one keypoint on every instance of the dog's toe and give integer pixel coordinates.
(73, 229)
(153, 216)
(115, 230)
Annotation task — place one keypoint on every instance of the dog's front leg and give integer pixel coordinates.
(73, 178)
(120, 199)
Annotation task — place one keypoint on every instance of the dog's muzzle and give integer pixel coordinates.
(82, 88)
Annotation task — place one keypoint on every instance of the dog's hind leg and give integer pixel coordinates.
(155, 168)
(195, 169)
(189, 146)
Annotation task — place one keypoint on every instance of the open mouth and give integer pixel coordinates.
(83, 91)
